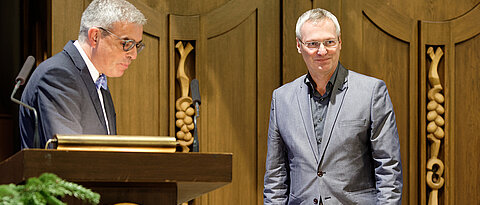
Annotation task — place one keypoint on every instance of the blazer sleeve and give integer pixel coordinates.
(59, 96)
(385, 147)
(276, 180)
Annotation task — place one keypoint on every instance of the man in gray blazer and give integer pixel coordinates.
(69, 90)
(332, 136)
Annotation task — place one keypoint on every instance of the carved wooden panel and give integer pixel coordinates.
(457, 71)
(435, 124)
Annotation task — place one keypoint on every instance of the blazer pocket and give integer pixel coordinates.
(367, 196)
(357, 123)
(294, 200)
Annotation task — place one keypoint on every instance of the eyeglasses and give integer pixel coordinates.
(331, 43)
(128, 44)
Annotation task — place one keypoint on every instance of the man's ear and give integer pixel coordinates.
(298, 45)
(93, 36)
(339, 43)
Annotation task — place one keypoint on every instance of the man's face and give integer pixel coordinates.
(108, 56)
(322, 60)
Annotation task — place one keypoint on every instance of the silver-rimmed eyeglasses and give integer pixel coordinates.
(330, 43)
(128, 44)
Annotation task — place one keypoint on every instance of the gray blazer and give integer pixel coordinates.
(64, 94)
(359, 159)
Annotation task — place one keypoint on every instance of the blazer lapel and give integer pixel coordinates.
(92, 91)
(110, 110)
(87, 79)
(336, 101)
(303, 100)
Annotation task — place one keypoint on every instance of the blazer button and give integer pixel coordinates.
(320, 173)
(315, 201)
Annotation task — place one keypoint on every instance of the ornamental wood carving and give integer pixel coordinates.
(184, 120)
(435, 124)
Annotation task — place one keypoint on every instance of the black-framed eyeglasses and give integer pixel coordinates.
(128, 44)
(330, 43)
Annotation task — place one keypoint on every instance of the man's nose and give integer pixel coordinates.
(321, 50)
(132, 54)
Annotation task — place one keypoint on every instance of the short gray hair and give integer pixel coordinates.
(316, 15)
(104, 13)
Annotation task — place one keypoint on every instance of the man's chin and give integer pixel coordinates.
(324, 66)
(120, 74)
(117, 74)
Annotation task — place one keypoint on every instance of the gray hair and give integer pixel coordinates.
(316, 15)
(104, 13)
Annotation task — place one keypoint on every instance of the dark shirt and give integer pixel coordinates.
(319, 105)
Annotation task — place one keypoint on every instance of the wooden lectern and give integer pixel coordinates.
(142, 178)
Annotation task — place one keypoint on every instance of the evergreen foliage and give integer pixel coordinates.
(44, 190)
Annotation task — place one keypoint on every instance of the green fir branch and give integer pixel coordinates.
(46, 189)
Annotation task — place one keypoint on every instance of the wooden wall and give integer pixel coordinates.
(246, 48)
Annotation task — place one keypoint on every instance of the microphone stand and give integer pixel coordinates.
(195, 134)
(36, 138)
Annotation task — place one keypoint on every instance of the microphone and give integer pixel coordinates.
(25, 71)
(20, 80)
(196, 101)
(195, 92)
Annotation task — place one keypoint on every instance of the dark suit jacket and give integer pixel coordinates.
(64, 94)
(359, 158)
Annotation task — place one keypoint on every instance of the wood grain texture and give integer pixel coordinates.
(389, 20)
(466, 26)
(141, 95)
(293, 65)
(185, 7)
(432, 10)
(268, 78)
(229, 108)
(111, 172)
(136, 93)
(389, 60)
(460, 59)
(227, 17)
(466, 154)
(65, 23)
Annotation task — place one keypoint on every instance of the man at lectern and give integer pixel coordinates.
(332, 137)
(69, 90)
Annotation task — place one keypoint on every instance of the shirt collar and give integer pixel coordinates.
(312, 85)
(93, 71)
